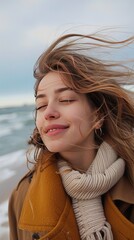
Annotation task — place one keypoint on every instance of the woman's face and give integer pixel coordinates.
(65, 119)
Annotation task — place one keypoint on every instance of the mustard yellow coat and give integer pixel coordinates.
(39, 208)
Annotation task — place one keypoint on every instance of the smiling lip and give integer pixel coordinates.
(55, 129)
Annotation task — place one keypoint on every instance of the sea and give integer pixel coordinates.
(16, 126)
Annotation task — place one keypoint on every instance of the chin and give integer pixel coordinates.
(56, 148)
(53, 148)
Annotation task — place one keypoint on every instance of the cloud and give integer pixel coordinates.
(4, 23)
(38, 35)
(114, 13)
(27, 27)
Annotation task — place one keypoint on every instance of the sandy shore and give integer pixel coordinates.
(6, 188)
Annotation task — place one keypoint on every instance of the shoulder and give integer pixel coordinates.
(18, 195)
(120, 200)
(24, 182)
(26, 179)
(123, 190)
(15, 205)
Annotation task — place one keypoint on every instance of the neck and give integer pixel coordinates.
(80, 160)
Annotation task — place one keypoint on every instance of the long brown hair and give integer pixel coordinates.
(101, 80)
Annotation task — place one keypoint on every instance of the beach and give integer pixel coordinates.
(16, 124)
(10, 174)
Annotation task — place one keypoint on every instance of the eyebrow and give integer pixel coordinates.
(59, 90)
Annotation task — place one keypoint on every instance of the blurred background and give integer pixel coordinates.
(27, 28)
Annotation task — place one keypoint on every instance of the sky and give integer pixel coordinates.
(28, 27)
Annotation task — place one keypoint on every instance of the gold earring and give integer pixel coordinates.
(98, 132)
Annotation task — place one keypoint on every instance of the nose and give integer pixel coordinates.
(51, 113)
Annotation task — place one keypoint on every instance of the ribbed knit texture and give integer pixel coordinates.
(87, 188)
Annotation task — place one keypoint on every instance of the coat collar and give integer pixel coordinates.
(123, 190)
(47, 208)
(43, 193)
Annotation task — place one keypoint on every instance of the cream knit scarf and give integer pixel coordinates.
(86, 189)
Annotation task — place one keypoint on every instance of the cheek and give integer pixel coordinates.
(78, 124)
(38, 122)
(86, 122)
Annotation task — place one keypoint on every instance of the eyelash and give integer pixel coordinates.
(62, 101)
(38, 108)
(67, 100)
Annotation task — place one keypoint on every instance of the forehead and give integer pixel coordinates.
(51, 81)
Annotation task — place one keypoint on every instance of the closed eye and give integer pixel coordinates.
(67, 100)
(41, 107)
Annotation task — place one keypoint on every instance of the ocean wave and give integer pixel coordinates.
(6, 173)
(5, 132)
(9, 159)
(7, 129)
(4, 219)
(16, 126)
(7, 116)
(15, 117)
(9, 163)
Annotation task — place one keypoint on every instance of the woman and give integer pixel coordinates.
(82, 184)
